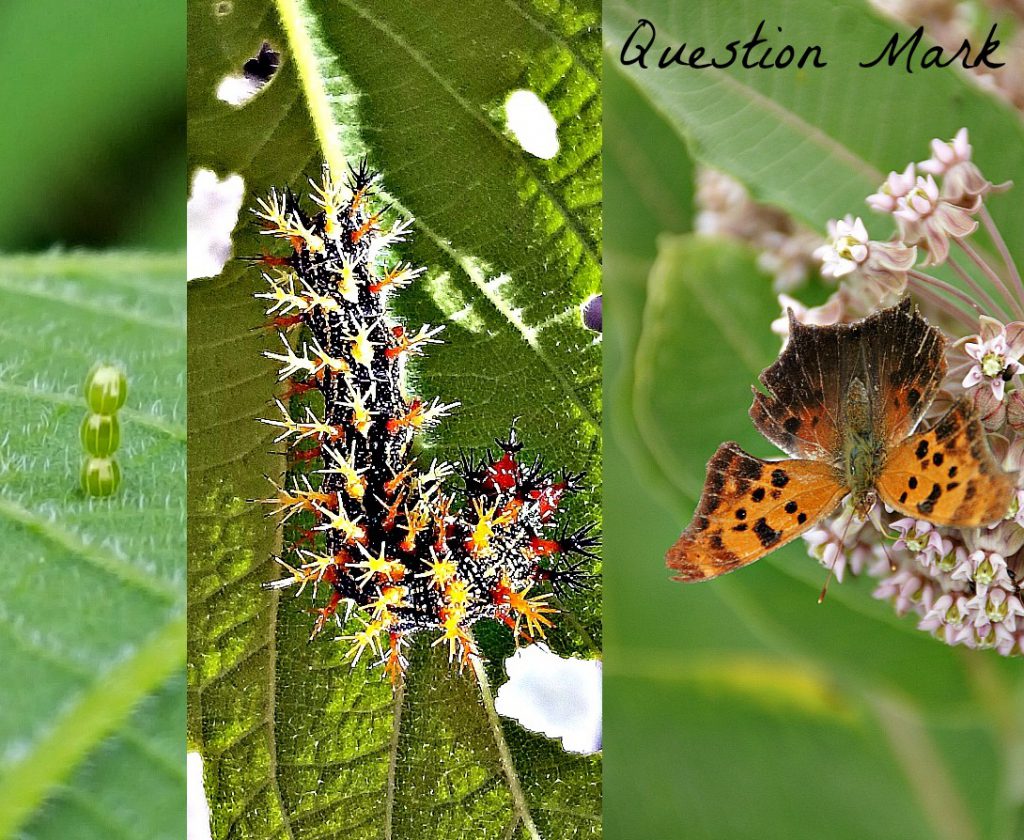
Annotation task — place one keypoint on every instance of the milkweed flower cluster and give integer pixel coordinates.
(995, 354)
(962, 584)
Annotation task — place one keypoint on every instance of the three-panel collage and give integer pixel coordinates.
(330, 506)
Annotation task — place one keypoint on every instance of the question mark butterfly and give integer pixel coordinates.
(844, 402)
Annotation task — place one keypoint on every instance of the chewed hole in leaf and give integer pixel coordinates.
(531, 123)
(213, 207)
(256, 74)
(557, 696)
(197, 808)
(237, 90)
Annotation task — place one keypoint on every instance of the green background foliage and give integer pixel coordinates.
(295, 743)
(92, 607)
(742, 708)
(93, 150)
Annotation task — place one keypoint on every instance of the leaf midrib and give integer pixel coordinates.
(110, 563)
(508, 767)
(97, 713)
(396, 735)
(318, 101)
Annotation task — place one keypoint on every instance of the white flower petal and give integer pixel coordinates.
(974, 376)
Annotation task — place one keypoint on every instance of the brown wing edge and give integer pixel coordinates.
(675, 558)
(806, 379)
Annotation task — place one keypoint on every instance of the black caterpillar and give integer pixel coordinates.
(408, 548)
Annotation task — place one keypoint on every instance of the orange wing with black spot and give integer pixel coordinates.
(750, 507)
(948, 475)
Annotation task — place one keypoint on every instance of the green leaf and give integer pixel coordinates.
(813, 141)
(92, 610)
(733, 348)
(650, 199)
(652, 177)
(295, 743)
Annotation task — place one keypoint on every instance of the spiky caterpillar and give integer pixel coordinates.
(397, 541)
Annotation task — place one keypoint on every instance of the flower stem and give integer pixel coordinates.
(1004, 252)
(995, 309)
(928, 287)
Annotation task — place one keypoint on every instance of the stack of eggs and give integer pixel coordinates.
(105, 391)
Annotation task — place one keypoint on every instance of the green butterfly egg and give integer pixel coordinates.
(101, 434)
(100, 476)
(106, 389)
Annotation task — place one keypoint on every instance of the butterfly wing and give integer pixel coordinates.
(894, 352)
(947, 475)
(750, 507)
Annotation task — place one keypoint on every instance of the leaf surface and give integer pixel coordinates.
(812, 141)
(92, 611)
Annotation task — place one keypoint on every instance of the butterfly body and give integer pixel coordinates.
(863, 450)
(844, 401)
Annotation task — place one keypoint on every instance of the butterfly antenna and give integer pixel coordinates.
(889, 557)
(835, 559)
(828, 579)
